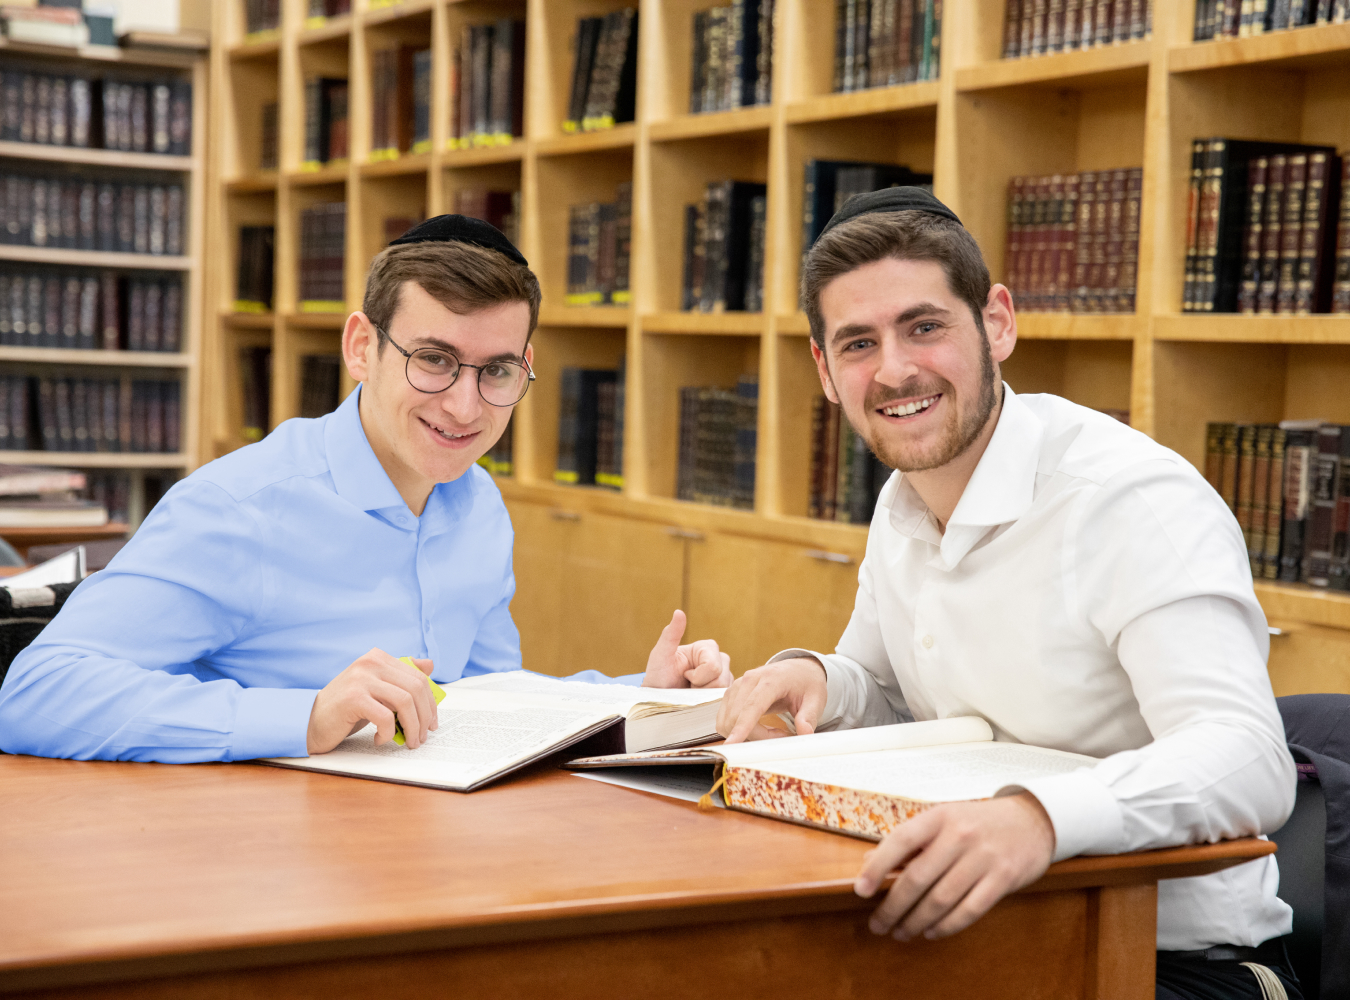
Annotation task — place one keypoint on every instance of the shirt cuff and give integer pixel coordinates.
(272, 722)
(834, 684)
(1085, 814)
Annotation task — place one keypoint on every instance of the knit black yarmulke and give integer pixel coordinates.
(892, 199)
(462, 229)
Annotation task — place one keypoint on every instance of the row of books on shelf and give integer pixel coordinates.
(846, 478)
(1262, 229)
(880, 43)
(489, 85)
(603, 92)
(400, 99)
(1242, 18)
(732, 56)
(323, 234)
(1289, 487)
(724, 249)
(327, 122)
(1038, 27)
(498, 208)
(320, 388)
(1073, 241)
(254, 281)
(89, 415)
(261, 15)
(79, 214)
(827, 184)
(590, 427)
(142, 116)
(599, 248)
(718, 438)
(90, 311)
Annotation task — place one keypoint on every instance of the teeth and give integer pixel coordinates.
(909, 408)
(443, 434)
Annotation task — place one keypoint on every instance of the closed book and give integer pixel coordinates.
(1246, 479)
(171, 317)
(421, 137)
(1317, 235)
(569, 396)
(587, 38)
(587, 421)
(20, 409)
(747, 412)
(1228, 469)
(1338, 573)
(1271, 229)
(1299, 447)
(1295, 187)
(1340, 299)
(64, 413)
(110, 311)
(691, 288)
(79, 415)
(1257, 172)
(320, 383)
(1323, 485)
(255, 367)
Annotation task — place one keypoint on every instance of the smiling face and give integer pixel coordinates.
(421, 438)
(904, 356)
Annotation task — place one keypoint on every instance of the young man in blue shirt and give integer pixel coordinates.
(232, 625)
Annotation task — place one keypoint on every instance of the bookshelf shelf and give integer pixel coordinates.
(246, 50)
(1107, 66)
(316, 320)
(131, 56)
(1286, 602)
(126, 359)
(735, 324)
(336, 29)
(254, 183)
(594, 316)
(1279, 329)
(93, 157)
(1310, 47)
(512, 152)
(94, 258)
(1079, 326)
(713, 123)
(248, 321)
(392, 13)
(99, 459)
(860, 103)
(329, 173)
(618, 137)
(404, 165)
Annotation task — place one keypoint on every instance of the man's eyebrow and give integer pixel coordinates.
(908, 316)
(851, 330)
(420, 342)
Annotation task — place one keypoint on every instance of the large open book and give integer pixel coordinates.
(863, 782)
(494, 724)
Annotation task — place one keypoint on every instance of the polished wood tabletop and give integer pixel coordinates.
(111, 871)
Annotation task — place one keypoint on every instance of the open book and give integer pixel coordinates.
(863, 782)
(494, 724)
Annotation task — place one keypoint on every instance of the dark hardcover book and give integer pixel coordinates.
(587, 39)
(154, 296)
(255, 366)
(1299, 445)
(337, 116)
(421, 137)
(1338, 573)
(691, 291)
(135, 315)
(316, 139)
(88, 200)
(171, 317)
(1316, 255)
(180, 118)
(105, 217)
(1199, 148)
(87, 321)
(1246, 479)
(171, 400)
(35, 312)
(140, 118)
(1291, 231)
(51, 313)
(6, 315)
(71, 288)
(50, 436)
(140, 219)
(110, 312)
(65, 418)
(1257, 172)
(1271, 229)
(320, 382)
(20, 408)
(154, 416)
(1228, 464)
(5, 441)
(1323, 485)
(607, 236)
(623, 244)
(605, 424)
(1260, 503)
(1340, 293)
(124, 415)
(754, 279)
(565, 469)
(268, 147)
(79, 414)
(111, 392)
(159, 116)
(698, 62)
(747, 417)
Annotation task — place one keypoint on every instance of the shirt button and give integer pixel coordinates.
(928, 642)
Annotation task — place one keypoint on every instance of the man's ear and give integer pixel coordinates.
(1000, 323)
(529, 356)
(359, 343)
(823, 370)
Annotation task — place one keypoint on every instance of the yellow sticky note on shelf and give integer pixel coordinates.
(437, 692)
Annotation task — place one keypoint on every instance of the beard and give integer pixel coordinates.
(959, 432)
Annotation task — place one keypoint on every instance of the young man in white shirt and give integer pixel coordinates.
(1045, 567)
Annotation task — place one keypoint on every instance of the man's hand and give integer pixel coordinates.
(796, 685)
(960, 859)
(375, 688)
(699, 664)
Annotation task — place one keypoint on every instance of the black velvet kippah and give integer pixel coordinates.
(462, 229)
(892, 199)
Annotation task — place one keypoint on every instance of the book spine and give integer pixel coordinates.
(1257, 171)
(819, 407)
(1272, 235)
(1256, 533)
(1340, 293)
(1295, 188)
(1297, 472)
(1338, 573)
(1311, 280)
(1246, 481)
(1228, 469)
(1324, 481)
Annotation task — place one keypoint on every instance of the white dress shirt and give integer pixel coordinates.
(1091, 593)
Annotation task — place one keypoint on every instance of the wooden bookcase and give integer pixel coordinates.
(183, 366)
(598, 571)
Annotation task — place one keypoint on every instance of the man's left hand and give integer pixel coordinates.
(699, 664)
(960, 859)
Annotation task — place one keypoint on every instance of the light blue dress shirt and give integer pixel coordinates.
(250, 586)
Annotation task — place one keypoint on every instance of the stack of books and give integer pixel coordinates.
(604, 72)
(55, 25)
(1241, 18)
(84, 310)
(1289, 487)
(76, 213)
(590, 428)
(718, 435)
(320, 384)
(498, 208)
(261, 16)
(327, 128)
(323, 234)
(599, 247)
(1037, 28)
(255, 368)
(257, 258)
(846, 478)
(732, 62)
(1073, 241)
(827, 184)
(498, 460)
(89, 414)
(1262, 233)
(880, 43)
(724, 249)
(33, 497)
(400, 102)
(489, 79)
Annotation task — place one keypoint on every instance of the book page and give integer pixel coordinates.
(934, 774)
(966, 729)
(620, 697)
(481, 733)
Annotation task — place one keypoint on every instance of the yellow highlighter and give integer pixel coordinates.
(437, 692)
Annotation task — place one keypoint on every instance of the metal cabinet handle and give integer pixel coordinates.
(686, 534)
(565, 515)
(834, 557)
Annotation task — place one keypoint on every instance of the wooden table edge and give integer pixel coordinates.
(572, 918)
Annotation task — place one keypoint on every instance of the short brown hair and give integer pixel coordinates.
(876, 236)
(460, 276)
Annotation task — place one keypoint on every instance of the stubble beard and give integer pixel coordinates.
(957, 435)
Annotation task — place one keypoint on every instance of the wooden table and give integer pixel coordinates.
(244, 881)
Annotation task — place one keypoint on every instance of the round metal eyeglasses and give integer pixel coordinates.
(433, 369)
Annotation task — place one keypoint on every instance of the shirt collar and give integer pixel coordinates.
(358, 476)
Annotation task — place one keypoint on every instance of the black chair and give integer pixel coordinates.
(1314, 844)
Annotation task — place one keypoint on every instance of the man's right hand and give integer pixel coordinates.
(375, 688)
(796, 685)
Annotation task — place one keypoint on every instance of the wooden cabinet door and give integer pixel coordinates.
(539, 557)
(756, 597)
